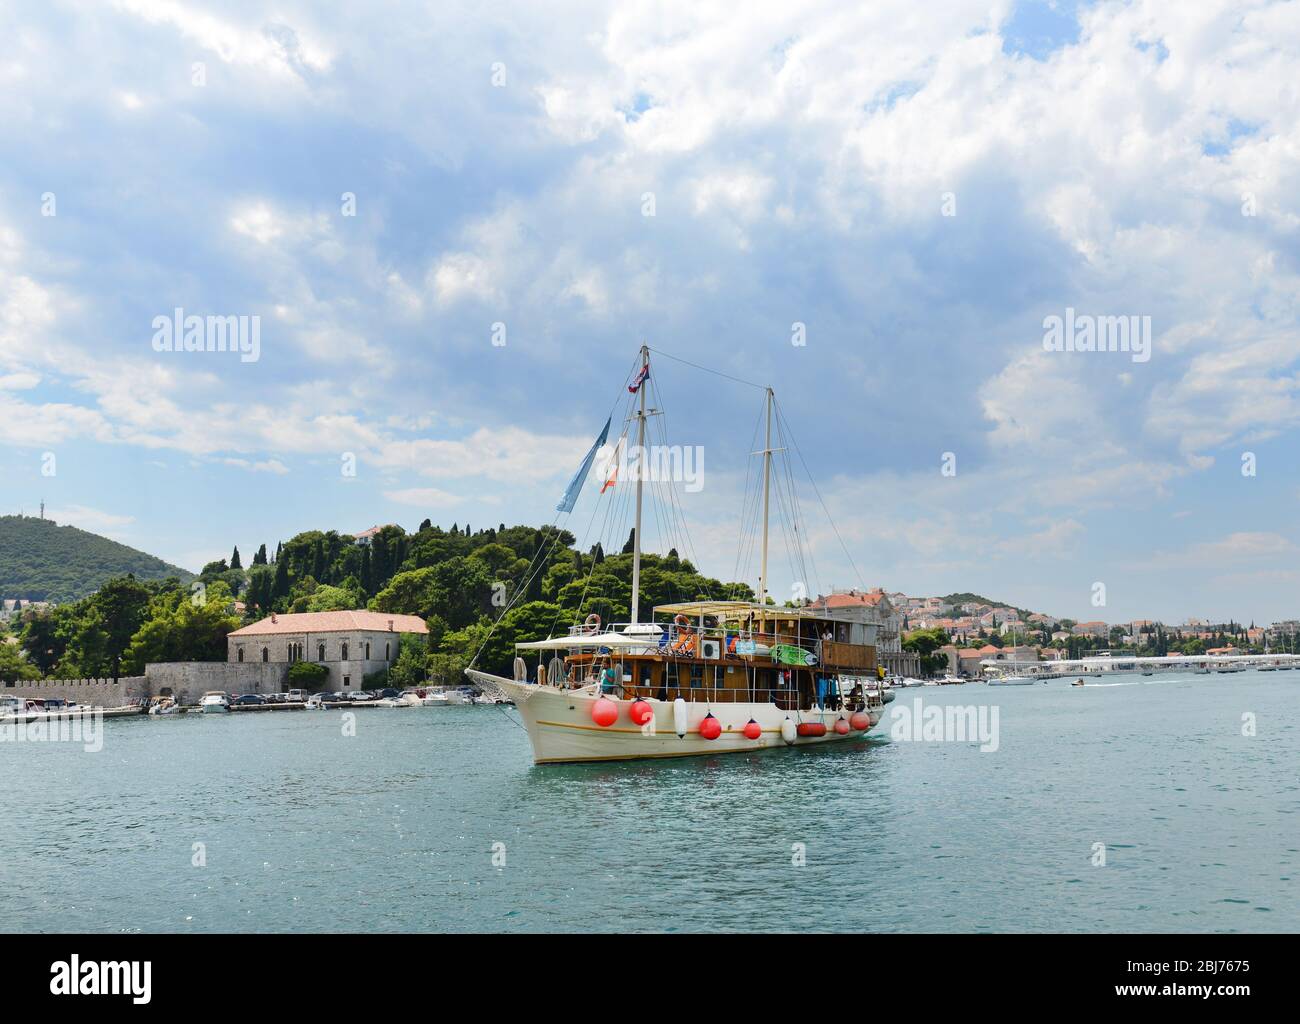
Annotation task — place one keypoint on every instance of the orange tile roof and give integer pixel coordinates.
(334, 622)
(844, 600)
(372, 531)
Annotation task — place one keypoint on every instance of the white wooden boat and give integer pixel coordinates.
(702, 677)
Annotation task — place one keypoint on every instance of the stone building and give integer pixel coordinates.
(873, 608)
(349, 644)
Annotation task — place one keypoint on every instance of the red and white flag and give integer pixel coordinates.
(639, 379)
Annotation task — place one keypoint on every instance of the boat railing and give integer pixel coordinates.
(687, 641)
(787, 698)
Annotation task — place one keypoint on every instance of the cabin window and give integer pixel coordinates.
(345, 654)
(320, 652)
(697, 676)
(266, 654)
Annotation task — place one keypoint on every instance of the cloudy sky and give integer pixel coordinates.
(920, 186)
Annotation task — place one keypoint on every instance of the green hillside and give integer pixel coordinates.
(968, 598)
(42, 561)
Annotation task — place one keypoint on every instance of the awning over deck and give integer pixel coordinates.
(735, 610)
(585, 641)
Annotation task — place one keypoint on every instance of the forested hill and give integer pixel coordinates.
(479, 591)
(42, 561)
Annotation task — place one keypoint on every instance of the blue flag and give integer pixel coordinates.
(579, 478)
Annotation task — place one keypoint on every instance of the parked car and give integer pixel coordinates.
(295, 695)
(363, 695)
(247, 699)
(389, 693)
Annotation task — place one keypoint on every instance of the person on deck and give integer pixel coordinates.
(608, 678)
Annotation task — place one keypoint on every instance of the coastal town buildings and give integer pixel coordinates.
(874, 608)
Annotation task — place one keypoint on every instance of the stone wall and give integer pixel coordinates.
(102, 693)
(187, 681)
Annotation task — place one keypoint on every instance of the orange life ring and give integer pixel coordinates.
(592, 624)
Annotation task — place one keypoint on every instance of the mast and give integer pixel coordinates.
(640, 481)
(767, 481)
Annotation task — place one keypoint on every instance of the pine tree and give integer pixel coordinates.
(630, 546)
(260, 557)
(234, 559)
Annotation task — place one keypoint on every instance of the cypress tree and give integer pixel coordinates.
(367, 572)
(281, 586)
(234, 559)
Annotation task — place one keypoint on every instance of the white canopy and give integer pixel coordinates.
(586, 640)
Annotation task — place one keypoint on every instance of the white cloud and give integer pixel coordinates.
(424, 497)
(263, 466)
(1224, 553)
(106, 524)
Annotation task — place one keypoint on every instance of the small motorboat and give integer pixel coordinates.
(214, 702)
(165, 706)
(1077, 682)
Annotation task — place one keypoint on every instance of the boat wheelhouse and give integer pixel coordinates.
(700, 677)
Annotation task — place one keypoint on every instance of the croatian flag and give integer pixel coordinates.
(575, 485)
(642, 374)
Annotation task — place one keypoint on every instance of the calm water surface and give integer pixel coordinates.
(306, 829)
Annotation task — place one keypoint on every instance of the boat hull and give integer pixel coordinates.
(562, 731)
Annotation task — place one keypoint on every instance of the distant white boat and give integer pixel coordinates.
(214, 702)
(1011, 681)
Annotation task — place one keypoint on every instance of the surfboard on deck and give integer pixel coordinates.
(788, 654)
